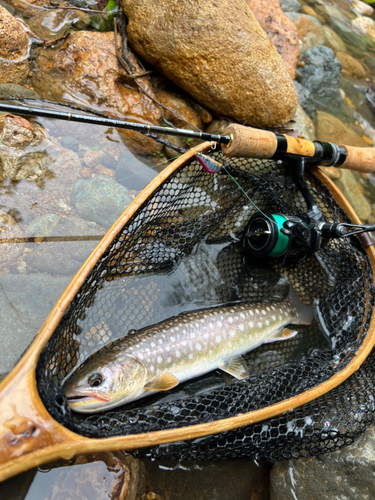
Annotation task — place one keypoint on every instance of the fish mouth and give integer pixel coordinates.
(86, 398)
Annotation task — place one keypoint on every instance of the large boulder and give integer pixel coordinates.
(14, 50)
(218, 53)
(280, 30)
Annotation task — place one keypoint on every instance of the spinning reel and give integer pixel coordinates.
(296, 236)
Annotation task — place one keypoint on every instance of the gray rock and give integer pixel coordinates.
(343, 475)
(290, 5)
(305, 100)
(9, 8)
(65, 256)
(321, 76)
(345, 31)
(132, 172)
(101, 199)
(17, 91)
(70, 142)
(25, 301)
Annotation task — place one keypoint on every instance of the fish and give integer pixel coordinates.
(159, 357)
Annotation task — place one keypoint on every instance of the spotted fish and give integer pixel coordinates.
(160, 357)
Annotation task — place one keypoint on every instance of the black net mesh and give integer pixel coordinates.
(182, 251)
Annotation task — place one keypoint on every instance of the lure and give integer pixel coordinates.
(209, 165)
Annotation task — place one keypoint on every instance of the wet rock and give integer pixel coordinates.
(25, 301)
(290, 5)
(180, 108)
(344, 474)
(217, 126)
(329, 128)
(280, 30)
(173, 37)
(321, 75)
(362, 8)
(351, 66)
(84, 70)
(55, 23)
(370, 62)
(101, 199)
(365, 26)
(333, 41)
(14, 50)
(306, 100)
(301, 125)
(17, 91)
(345, 31)
(133, 173)
(9, 230)
(310, 31)
(64, 256)
(352, 192)
(28, 8)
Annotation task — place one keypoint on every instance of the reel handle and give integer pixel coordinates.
(248, 142)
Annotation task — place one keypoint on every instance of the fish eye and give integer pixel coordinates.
(95, 379)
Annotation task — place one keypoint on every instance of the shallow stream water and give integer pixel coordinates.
(31, 284)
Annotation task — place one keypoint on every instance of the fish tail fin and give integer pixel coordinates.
(306, 313)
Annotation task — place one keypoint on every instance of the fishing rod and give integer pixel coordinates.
(266, 234)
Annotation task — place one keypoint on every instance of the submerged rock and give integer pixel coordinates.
(27, 154)
(344, 474)
(9, 230)
(329, 128)
(218, 53)
(101, 199)
(64, 256)
(301, 125)
(25, 301)
(134, 173)
(333, 40)
(280, 30)
(351, 66)
(14, 50)
(17, 91)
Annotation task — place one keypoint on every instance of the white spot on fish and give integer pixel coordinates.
(268, 309)
(169, 360)
(152, 368)
(178, 353)
(273, 318)
(242, 328)
(218, 338)
(257, 311)
(251, 324)
(267, 322)
(184, 343)
(242, 315)
(160, 341)
(198, 346)
(210, 351)
(153, 344)
(160, 359)
(190, 356)
(241, 340)
(173, 339)
(280, 317)
(167, 348)
(230, 320)
(260, 324)
(140, 355)
(232, 333)
(219, 324)
(264, 312)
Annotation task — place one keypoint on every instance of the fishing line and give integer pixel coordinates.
(241, 189)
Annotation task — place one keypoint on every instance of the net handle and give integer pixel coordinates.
(248, 142)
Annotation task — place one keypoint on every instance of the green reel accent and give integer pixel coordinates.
(282, 240)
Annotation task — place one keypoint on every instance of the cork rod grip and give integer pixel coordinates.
(249, 142)
(360, 159)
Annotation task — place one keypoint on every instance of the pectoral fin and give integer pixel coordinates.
(284, 334)
(163, 383)
(235, 366)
